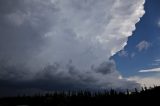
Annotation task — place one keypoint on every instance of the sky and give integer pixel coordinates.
(141, 55)
(78, 44)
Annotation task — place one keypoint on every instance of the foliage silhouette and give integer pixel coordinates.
(84, 97)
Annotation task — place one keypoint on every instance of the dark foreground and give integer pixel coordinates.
(82, 98)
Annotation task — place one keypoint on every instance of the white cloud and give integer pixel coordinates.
(158, 23)
(143, 45)
(149, 81)
(123, 53)
(83, 33)
(133, 55)
(155, 64)
(157, 60)
(150, 70)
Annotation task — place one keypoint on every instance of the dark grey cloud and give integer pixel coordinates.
(106, 67)
(64, 43)
(52, 78)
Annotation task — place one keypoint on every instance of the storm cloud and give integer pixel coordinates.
(67, 43)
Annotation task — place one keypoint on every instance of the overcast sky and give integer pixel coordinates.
(69, 44)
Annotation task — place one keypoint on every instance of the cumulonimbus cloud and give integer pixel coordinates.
(67, 39)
